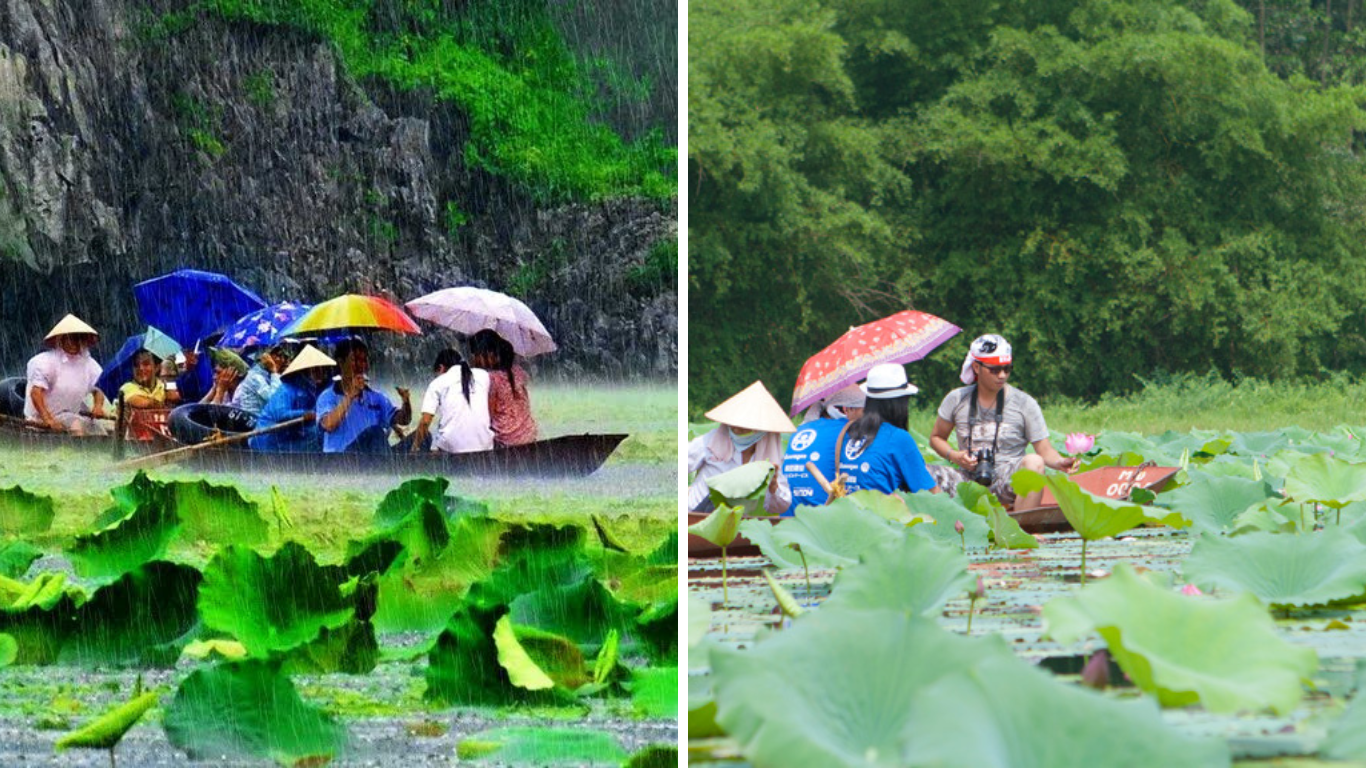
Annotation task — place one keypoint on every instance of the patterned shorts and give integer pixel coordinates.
(948, 476)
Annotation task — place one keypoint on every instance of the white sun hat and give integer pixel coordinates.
(753, 408)
(886, 381)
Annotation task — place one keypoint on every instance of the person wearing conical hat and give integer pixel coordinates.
(751, 428)
(60, 379)
(876, 453)
(296, 396)
(995, 424)
(814, 443)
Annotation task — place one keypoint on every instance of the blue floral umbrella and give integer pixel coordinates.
(189, 304)
(262, 327)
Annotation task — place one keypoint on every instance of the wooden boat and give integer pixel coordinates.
(565, 456)
(1110, 482)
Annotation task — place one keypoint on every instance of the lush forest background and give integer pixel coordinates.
(1128, 190)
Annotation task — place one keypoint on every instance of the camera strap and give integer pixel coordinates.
(973, 420)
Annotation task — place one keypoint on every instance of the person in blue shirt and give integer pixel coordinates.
(814, 442)
(354, 417)
(294, 398)
(877, 452)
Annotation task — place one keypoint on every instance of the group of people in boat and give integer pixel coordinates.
(326, 400)
(859, 436)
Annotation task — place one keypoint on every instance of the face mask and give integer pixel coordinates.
(743, 442)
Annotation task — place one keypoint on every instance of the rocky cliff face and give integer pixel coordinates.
(137, 138)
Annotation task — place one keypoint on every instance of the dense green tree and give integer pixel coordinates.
(1119, 187)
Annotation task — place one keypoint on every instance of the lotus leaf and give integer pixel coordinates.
(530, 557)
(720, 527)
(742, 487)
(542, 746)
(217, 513)
(655, 756)
(654, 692)
(871, 681)
(910, 574)
(657, 628)
(105, 731)
(1272, 516)
(408, 498)
(138, 619)
(585, 611)
(1347, 736)
(16, 557)
(605, 665)
(463, 667)
(786, 602)
(40, 628)
(23, 513)
(945, 512)
(9, 650)
(1116, 443)
(968, 494)
(350, 649)
(893, 507)
(223, 649)
(1224, 654)
(1006, 532)
(270, 603)
(1213, 503)
(1327, 480)
(1258, 443)
(522, 671)
(1281, 570)
(421, 595)
(140, 537)
(831, 536)
(249, 709)
(667, 551)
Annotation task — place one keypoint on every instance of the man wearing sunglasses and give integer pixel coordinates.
(995, 423)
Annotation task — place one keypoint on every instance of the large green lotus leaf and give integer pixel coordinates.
(270, 603)
(421, 595)
(657, 628)
(423, 532)
(555, 655)
(1327, 480)
(463, 667)
(217, 513)
(654, 692)
(1005, 530)
(1116, 443)
(249, 709)
(1258, 444)
(39, 618)
(350, 649)
(1279, 569)
(522, 670)
(526, 746)
(585, 611)
(831, 537)
(909, 574)
(9, 650)
(528, 558)
(139, 619)
(1272, 516)
(138, 538)
(16, 557)
(129, 497)
(969, 494)
(655, 756)
(408, 498)
(1347, 736)
(1002, 713)
(22, 513)
(720, 527)
(667, 551)
(1213, 503)
(891, 507)
(945, 512)
(106, 731)
(1224, 654)
(742, 487)
(1094, 517)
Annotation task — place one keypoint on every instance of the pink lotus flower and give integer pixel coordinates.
(1079, 442)
(1191, 589)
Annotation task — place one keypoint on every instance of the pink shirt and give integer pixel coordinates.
(66, 379)
(511, 415)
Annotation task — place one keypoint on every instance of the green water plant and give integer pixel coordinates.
(743, 487)
(1326, 480)
(908, 574)
(106, 731)
(1224, 654)
(1214, 503)
(23, 513)
(720, 528)
(832, 536)
(1282, 571)
(520, 745)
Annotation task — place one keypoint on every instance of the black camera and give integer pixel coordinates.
(985, 471)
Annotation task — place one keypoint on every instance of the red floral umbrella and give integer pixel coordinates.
(904, 337)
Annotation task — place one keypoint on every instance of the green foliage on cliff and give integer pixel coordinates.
(528, 100)
(1120, 187)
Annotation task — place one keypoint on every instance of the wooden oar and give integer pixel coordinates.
(25, 422)
(820, 478)
(176, 454)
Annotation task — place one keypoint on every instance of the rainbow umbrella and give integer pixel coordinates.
(352, 312)
(901, 338)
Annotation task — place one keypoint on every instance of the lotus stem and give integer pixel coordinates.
(725, 592)
(809, 595)
(1083, 562)
(1301, 530)
(963, 541)
(111, 752)
(972, 607)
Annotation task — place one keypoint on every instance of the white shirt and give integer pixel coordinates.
(66, 379)
(712, 453)
(460, 426)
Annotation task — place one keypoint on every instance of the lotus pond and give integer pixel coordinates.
(187, 619)
(1222, 623)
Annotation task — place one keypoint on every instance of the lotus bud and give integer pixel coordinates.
(958, 526)
(1191, 589)
(1096, 673)
(980, 592)
(1078, 443)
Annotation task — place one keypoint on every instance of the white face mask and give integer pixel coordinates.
(743, 442)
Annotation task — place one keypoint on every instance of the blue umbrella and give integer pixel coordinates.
(262, 327)
(189, 304)
(119, 370)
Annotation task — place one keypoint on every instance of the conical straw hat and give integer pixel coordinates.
(69, 325)
(310, 357)
(753, 408)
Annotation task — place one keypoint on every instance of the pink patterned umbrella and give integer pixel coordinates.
(904, 337)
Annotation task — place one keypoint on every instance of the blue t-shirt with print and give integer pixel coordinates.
(891, 463)
(369, 410)
(814, 442)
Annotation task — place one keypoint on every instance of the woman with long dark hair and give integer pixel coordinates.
(458, 400)
(876, 452)
(509, 401)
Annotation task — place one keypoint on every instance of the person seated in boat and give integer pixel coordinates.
(60, 379)
(354, 417)
(300, 384)
(458, 400)
(147, 390)
(995, 423)
(751, 428)
(262, 379)
(876, 452)
(814, 442)
(228, 371)
(509, 400)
